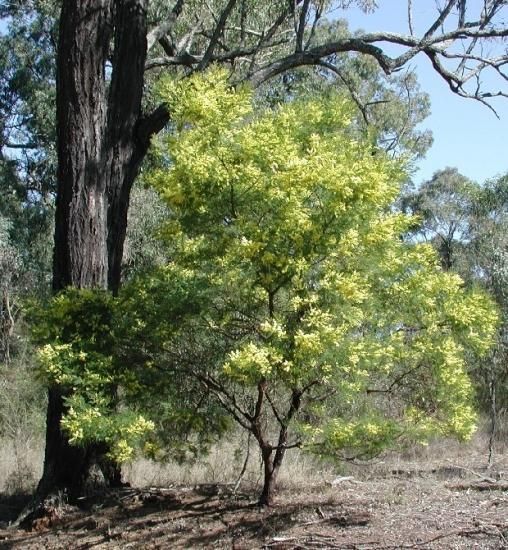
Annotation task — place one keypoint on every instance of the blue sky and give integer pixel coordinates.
(467, 135)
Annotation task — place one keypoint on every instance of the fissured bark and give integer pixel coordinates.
(102, 140)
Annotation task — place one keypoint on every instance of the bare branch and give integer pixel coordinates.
(227, 400)
(485, 19)
(295, 445)
(151, 125)
(161, 30)
(462, 12)
(361, 107)
(185, 42)
(269, 34)
(274, 409)
(259, 402)
(260, 49)
(314, 55)
(219, 28)
(30, 145)
(317, 17)
(456, 84)
(302, 24)
(410, 17)
(440, 20)
(167, 46)
(186, 59)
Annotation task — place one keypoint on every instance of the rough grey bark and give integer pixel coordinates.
(99, 153)
(80, 254)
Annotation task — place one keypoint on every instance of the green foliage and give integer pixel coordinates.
(27, 161)
(143, 250)
(489, 263)
(444, 206)
(98, 351)
(467, 225)
(288, 278)
(283, 222)
(394, 106)
(153, 311)
(75, 335)
(27, 99)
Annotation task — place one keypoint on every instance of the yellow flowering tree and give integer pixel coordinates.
(96, 350)
(78, 357)
(318, 327)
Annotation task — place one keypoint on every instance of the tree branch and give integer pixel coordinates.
(410, 17)
(361, 107)
(151, 125)
(274, 409)
(219, 28)
(161, 30)
(302, 23)
(440, 20)
(227, 400)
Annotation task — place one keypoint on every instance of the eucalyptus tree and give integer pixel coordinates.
(8, 265)
(104, 121)
(489, 263)
(27, 150)
(444, 205)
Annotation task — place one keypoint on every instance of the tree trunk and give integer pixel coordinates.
(99, 154)
(270, 473)
(125, 147)
(66, 467)
(80, 252)
(6, 326)
(272, 466)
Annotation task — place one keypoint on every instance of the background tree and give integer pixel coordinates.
(103, 134)
(489, 263)
(445, 205)
(8, 267)
(27, 150)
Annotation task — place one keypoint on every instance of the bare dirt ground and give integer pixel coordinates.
(447, 507)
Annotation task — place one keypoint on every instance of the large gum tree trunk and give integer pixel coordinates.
(102, 140)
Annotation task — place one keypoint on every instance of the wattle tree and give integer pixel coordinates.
(320, 328)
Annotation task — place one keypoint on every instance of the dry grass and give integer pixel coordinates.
(434, 497)
(224, 464)
(20, 465)
(447, 458)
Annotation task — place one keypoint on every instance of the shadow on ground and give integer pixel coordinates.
(194, 517)
(11, 506)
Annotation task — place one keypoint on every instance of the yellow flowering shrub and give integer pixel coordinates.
(77, 343)
(291, 300)
(285, 216)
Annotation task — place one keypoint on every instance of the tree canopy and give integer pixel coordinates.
(322, 311)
